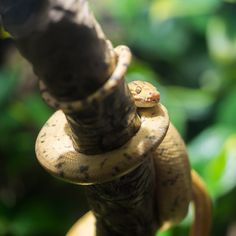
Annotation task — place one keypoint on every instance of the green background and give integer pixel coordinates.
(185, 48)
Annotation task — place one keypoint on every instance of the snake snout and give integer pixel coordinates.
(154, 97)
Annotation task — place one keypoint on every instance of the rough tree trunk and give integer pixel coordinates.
(73, 58)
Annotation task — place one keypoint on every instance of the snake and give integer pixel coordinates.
(176, 184)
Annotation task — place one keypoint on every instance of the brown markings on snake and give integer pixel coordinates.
(128, 156)
(160, 151)
(67, 129)
(83, 169)
(46, 124)
(61, 174)
(56, 105)
(43, 135)
(116, 169)
(103, 163)
(60, 165)
(152, 137)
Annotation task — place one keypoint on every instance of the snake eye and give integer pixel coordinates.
(138, 89)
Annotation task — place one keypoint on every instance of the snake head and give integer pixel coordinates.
(144, 93)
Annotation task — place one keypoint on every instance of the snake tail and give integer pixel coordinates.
(202, 207)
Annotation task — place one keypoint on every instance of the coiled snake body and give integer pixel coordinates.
(176, 185)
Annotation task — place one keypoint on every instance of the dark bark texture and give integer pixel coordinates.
(105, 124)
(124, 207)
(68, 51)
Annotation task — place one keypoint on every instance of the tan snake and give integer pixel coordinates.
(176, 185)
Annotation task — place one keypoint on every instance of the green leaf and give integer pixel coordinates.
(8, 80)
(220, 172)
(213, 154)
(208, 144)
(141, 71)
(167, 39)
(4, 224)
(164, 9)
(177, 116)
(127, 10)
(195, 102)
(4, 34)
(37, 110)
(32, 111)
(34, 219)
(226, 112)
(221, 43)
(165, 233)
(228, 179)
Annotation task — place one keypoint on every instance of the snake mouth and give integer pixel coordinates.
(155, 99)
(152, 99)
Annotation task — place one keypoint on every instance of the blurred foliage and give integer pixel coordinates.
(185, 48)
(4, 34)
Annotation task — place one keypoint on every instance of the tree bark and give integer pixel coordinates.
(124, 206)
(73, 58)
(70, 54)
